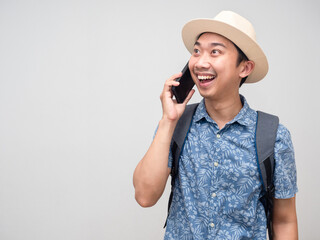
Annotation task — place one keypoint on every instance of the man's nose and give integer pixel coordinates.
(203, 62)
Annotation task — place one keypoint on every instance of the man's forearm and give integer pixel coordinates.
(152, 172)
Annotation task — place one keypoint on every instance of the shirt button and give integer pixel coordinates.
(216, 164)
(218, 136)
(213, 195)
(212, 225)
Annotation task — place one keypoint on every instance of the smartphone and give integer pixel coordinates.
(186, 84)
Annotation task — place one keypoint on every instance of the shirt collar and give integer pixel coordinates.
(201, 113)
(245, 117)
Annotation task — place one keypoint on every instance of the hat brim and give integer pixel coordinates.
(251, 49)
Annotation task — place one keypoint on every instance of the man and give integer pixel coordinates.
(216, 195)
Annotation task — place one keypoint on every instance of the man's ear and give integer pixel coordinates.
(246, 68)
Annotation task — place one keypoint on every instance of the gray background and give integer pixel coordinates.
(79, 102)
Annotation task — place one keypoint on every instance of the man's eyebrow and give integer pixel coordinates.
(214, 44)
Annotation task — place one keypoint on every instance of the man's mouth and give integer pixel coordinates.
(206, 78)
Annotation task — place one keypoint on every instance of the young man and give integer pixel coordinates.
(216, 194)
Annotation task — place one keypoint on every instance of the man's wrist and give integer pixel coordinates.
(168, 124)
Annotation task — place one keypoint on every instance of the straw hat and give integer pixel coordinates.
(238, 30)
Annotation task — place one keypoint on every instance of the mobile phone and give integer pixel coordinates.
(186, 84)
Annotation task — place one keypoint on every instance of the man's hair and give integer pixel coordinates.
(241, 57)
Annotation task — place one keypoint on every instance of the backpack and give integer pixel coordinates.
(265, 137)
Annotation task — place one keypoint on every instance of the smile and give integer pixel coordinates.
(206, 78)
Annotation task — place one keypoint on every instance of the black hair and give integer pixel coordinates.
(241, 57)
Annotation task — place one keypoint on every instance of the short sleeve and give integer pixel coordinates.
(170, 152)
(285, 175)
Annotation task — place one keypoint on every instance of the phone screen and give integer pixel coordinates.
(186, 84)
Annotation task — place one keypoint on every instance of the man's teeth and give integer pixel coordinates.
(205, 77)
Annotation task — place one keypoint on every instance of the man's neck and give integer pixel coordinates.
(223, 110)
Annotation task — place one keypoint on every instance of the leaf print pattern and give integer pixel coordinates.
(217, 192)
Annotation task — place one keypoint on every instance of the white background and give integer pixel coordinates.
(79, 102)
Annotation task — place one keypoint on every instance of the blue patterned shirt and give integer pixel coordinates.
(216, 195)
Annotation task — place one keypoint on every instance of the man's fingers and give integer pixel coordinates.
(190, 94)
(172, 81)
(175, 76)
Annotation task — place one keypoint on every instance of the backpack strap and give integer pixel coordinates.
(177, 143)
(266, 133)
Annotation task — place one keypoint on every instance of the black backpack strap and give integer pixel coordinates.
(266, 133)
(177, 142)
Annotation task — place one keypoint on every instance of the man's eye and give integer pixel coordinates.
(215, 51)
(196, 51)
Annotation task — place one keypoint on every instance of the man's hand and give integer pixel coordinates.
(172, 111)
